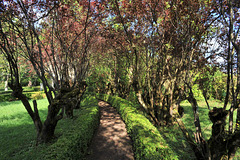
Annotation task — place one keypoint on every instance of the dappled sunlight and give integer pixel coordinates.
(111, 140)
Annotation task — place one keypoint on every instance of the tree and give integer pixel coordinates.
(222, 143)
(21, 35)
(153, 37)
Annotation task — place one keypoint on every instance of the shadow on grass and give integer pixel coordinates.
(17, 136)
(176, 140)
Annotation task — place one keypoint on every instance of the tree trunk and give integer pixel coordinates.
(6, 86)
(205, 98)
(53, 116)
(41, 86)
(217, 143)
(17, 92)
(6, 83)
(47, 133)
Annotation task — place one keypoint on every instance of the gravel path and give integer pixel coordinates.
(111, 141)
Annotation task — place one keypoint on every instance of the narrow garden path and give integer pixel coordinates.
(111, 141)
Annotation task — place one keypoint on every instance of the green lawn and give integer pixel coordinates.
(18, 135)
(17, 132)
(173, 135)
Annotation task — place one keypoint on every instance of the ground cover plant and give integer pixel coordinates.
(18, 138)
(173, 135)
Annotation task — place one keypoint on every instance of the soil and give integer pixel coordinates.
(111, 141)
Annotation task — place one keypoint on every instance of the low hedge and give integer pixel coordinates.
(30, 95)
(74, 142)
(30, 92)
(10, 97)
(148, 144)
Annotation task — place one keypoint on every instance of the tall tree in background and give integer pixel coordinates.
(160, 39)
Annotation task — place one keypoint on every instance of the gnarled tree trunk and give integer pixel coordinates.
(45, 131)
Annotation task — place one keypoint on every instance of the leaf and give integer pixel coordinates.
(167, 5)
(160, 19)
(168, 45)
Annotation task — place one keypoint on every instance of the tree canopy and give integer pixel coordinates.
(157, 50)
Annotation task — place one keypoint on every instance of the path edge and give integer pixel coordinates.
(148, 143)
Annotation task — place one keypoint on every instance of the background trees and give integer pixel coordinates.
(159, 51)
(163, 45)
(156, 44)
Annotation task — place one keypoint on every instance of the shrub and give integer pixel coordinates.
(29, 92)
(7, 97)
(38, 95)
(73, 144)
(148, 144)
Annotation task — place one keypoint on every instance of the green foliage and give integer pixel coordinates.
(148, 144)
(30, 92)
(99, 79)
(9, 97)
(6, 97)
(197, 92)
(212, 81)
(38, 95)
(17, 140)
(73, 144)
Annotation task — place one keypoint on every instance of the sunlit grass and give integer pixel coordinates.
(206, 124)
(18, 135)
(173, 135)
(17, 132)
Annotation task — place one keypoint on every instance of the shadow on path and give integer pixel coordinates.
(111, 141)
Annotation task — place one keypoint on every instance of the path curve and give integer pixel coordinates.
(111, 141)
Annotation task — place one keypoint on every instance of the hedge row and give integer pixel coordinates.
(74, 142)
(148, 144)
(29, 95)
(30, 92)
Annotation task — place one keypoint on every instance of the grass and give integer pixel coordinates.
(206, 124)
(17, 132)
(18, 135)
(174, 137)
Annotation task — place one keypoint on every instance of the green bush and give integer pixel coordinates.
(6, 97)
(148, 144)
(30, 92)
(74, 142)
(9, 97)
(38, 95)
